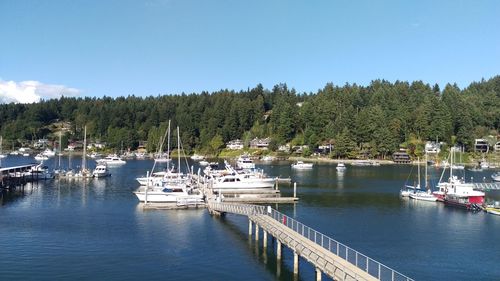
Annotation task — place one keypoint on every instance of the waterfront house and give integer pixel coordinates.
(432, 147)
(481, 145)
(401, 157)
(257, 143)
(235, 144)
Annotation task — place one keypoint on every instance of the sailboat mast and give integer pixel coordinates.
(178, 154)
(84, 164)
(418, 160)
(168, 147)
(60, 150)
(426, 183)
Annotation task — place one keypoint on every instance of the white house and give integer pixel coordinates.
(234, 145)
(432, 147)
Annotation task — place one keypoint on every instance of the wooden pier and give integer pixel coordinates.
(327, 255)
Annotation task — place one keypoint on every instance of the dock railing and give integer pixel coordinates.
(363, 262)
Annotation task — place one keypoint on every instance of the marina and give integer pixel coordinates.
(360, 208)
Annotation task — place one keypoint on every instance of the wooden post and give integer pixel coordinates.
(256, 232)
(318, 274)
(295, 190)
(295, 263)
(265, 239)
(249, 228)
(278, 249)
(277, 188)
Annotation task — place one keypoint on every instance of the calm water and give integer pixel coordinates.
(60, 230)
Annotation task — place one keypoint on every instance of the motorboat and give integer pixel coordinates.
(244, 162)
(168, 194)
(423, 196)
(495, 176)
(203, 163)
(100, 171)
(268, 158)
(41, 157)
(300, 165)
(49, 153)
(242, 182)
(39, 172)
(493, 209)
(341, 167)
(197, 157)
(112, 160)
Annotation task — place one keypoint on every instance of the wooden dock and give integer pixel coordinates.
(327, 255)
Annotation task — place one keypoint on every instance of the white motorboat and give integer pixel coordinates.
(40, 157)
(241, 182)
(100, 171)
(423, 196)
(268, 158)
(203, 163)
(300, 165)
(39, 172)
(168, 194)
(341, 167)
(197, 157)
(49, 153)
(244, 162)
(112, 160)
(495, 176)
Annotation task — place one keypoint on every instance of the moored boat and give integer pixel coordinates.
(495, 176)
(100, 171)
(300, 165)
(244, 162)
(341, 167)
(112, 160)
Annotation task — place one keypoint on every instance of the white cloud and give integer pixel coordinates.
(32, 91)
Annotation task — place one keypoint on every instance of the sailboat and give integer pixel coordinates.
(160, 157)
(84, 172)
(424, 195)
(409, 189)
(169, 189)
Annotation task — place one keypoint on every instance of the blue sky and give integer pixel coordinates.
(151, 47)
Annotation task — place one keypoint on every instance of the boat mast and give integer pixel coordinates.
(426, 184)
(168, 146)
(418, 160)
(84, 164)
(179, 154)
(60, 151)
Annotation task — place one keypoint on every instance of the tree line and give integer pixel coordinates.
(374, 120)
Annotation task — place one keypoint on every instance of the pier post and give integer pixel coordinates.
(318, 274)
(278, 249)
(249, 227)
(264, 243)
(295, 189)
(295, 263)
(256, 232)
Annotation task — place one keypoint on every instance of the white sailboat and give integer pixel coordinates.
(409, 189)
(160, 157)
(169, 190)
(423, 195)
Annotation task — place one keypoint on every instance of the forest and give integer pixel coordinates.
(375, 120)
